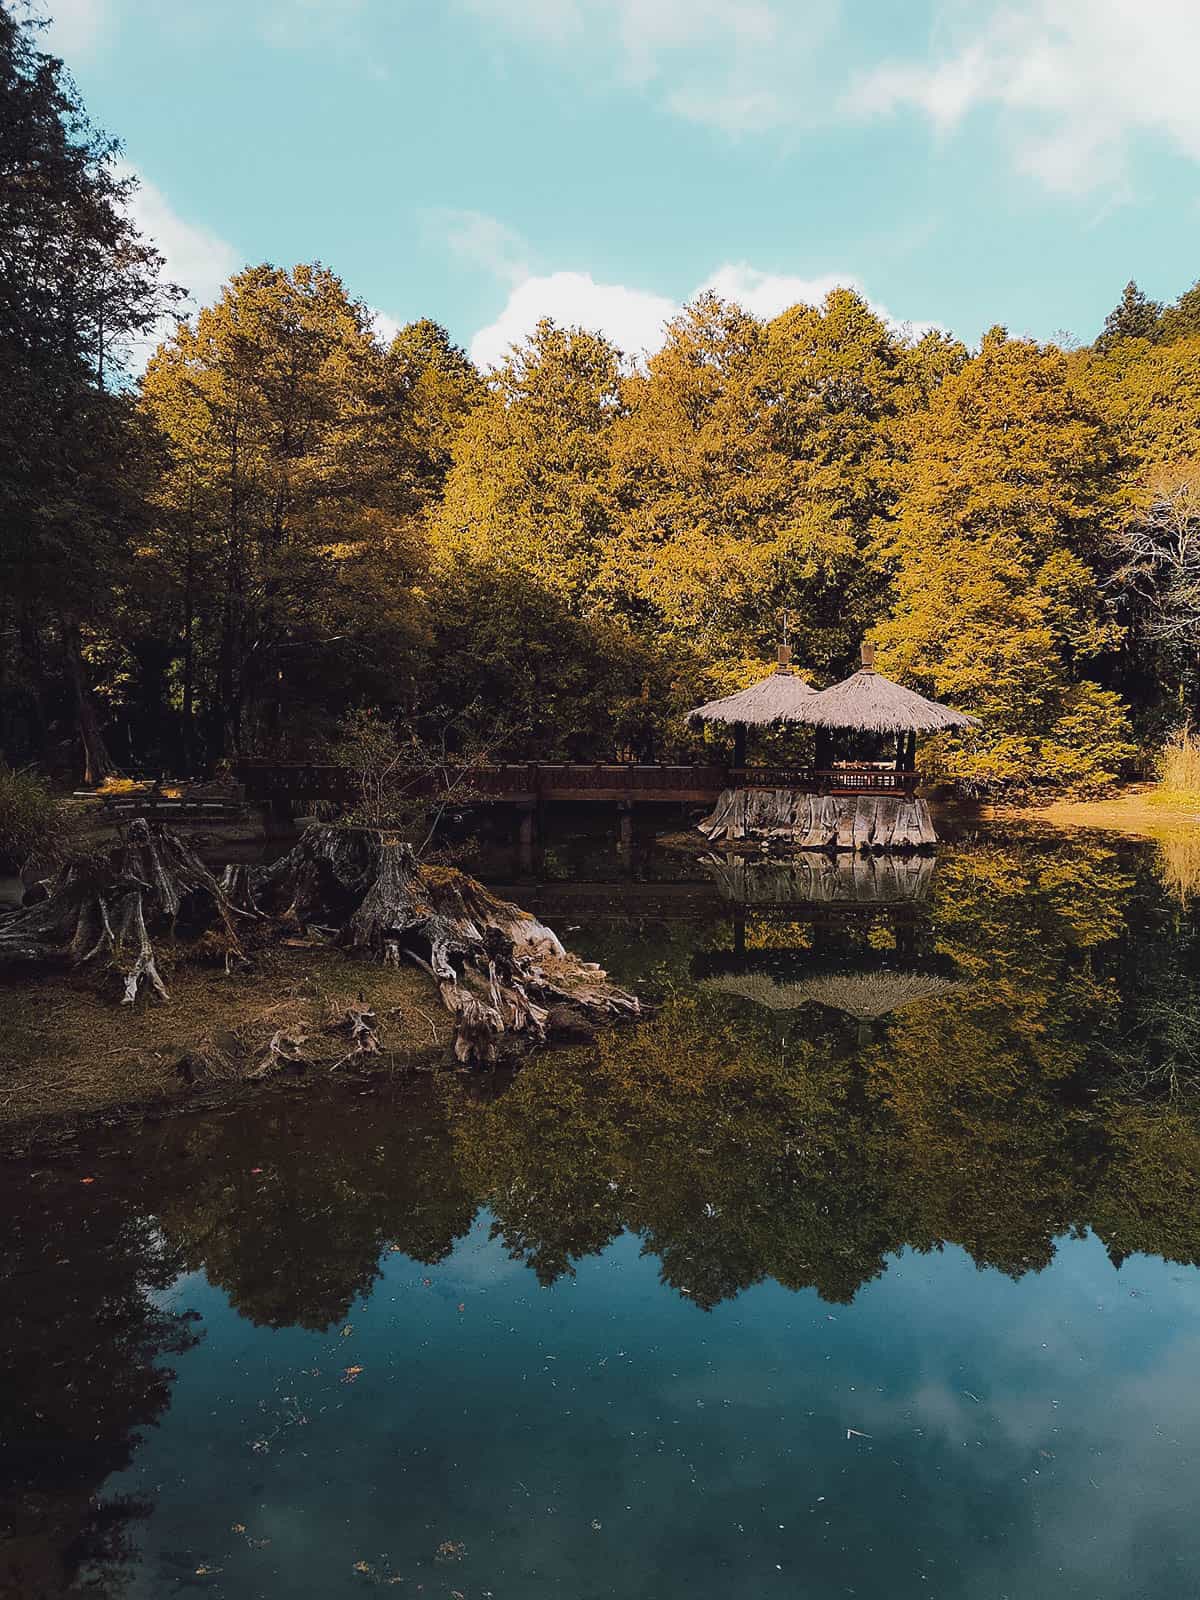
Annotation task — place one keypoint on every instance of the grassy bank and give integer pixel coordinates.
(71, 1057)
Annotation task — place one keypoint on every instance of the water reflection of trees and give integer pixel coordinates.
(744, 1143)
(290, 1210)
(83, 1369)
(1023, 1099)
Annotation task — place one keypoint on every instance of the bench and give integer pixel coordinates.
(217, 801)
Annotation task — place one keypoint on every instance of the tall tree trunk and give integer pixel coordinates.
(187, 728)
(97, 763)
(232, 616)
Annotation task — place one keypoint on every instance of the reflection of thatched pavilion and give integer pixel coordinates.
(838, 803)
(865, 996)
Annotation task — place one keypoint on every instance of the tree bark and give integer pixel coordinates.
(98, 764)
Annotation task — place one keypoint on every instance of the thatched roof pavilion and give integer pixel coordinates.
(779, 697)
(867, 702)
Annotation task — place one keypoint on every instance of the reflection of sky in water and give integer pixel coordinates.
(1021, 1438)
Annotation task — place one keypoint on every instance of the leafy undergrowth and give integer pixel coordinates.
(64, 1055)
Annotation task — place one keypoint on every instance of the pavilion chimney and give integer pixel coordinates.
(868, 657)
(785, 658)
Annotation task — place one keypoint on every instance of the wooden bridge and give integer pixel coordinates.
(288, 786)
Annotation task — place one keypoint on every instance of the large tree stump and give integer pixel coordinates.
(108, 909)
(504, 975)
(820, 822)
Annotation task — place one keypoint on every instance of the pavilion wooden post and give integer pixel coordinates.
(739, 745)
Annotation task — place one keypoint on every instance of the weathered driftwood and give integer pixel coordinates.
(821, 822)
(108, 909)
(504, 975)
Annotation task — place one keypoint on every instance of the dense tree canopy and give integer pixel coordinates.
(285, 519)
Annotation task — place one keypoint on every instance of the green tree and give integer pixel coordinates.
(77, 284)
(1181, 319)
(290, 495)
(528, 490)
(1135, 316)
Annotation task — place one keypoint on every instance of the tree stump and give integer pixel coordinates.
(503, 974)
(108, 909)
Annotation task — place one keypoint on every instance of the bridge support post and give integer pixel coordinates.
(625, 823)
(527, 833)
(278, 816)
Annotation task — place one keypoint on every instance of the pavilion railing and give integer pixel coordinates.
(828, 780)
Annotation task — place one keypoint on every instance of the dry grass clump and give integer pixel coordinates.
(33, 824)
(1179, 863)
(1179, 770)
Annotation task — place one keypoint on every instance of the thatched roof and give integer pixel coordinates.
(862, 995)
(867, 702)
(779, 697)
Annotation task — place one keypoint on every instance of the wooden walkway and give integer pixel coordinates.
(291, 784)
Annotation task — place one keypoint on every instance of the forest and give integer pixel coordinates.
(283, 521)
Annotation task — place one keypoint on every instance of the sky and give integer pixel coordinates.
(486, 162)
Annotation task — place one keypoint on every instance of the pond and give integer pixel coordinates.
(869, 1264)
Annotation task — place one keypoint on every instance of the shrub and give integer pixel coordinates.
(32, 822)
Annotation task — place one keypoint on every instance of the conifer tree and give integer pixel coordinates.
(1135, 316)
(1181, 320)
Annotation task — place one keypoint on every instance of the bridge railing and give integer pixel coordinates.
(548, 780)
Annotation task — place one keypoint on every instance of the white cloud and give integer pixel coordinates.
(196, 258)
(636, 319)
(478, 240)
(632, 318)
(1075, 79)
(384, 326)
(766, 294)
(742, 66)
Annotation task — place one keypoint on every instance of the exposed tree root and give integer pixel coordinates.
(504, 976)
(109, 909)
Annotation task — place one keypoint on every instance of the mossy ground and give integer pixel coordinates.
(68, 1054)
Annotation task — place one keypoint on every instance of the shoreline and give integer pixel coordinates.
(1132, 811)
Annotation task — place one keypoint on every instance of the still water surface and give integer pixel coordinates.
(867, 1266)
